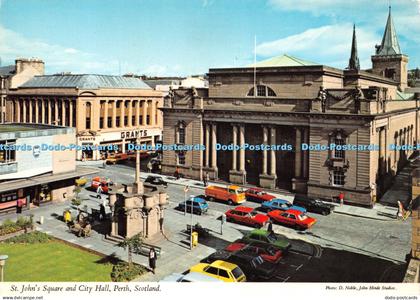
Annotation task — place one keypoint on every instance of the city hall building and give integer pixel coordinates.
(290, 102)
(107, 111)
(31, 172)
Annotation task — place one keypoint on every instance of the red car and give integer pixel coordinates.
(267, 252)
(246, 215)
(292, 217)
(258, 195)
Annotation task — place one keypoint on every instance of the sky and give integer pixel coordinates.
(185, 37)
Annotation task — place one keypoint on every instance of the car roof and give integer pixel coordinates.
(195, 276)
(294, 211)
(255, 189)
(260, 231)
(279, 200)
(223, 265)
(243, 209)
(198, 199)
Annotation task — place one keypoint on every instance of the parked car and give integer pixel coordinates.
(102, 182)
(292, 217)
(266, 251)
(199, 205)
(114, 158)
(279, 204)
(258, 195)
(232, 194)
(252, 264)
(267, 237)
(156, 180)
(221, 270)
(313, 205)
(190, 277)
(246, 215)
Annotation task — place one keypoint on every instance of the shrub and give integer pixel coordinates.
(9, 226)
(30, 238)
(76, 201)
(125, 272)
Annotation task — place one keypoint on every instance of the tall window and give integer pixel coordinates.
(338, 177)
(338, 151)
(181, 133)
(262, 91)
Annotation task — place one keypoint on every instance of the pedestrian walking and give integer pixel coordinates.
(99, 190)
(152, 259)
(176, 174)
(149, 167)
(341, 198)
(19, 206)
(102, 214)
(206, 179)
(270, 227)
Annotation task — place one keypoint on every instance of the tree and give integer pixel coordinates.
(131, 244)
(76, 200)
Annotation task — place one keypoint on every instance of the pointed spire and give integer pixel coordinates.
(354, 58)
(389, 45)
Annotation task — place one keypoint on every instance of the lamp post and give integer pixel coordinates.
(191, 237)
(3, 259)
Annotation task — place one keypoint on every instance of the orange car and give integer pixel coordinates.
(232, 194)
(98, 181)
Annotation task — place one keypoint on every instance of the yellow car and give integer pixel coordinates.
(221, 270)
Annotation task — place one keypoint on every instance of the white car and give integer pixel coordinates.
(190, 277)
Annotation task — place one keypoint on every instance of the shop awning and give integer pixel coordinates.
(11, 185)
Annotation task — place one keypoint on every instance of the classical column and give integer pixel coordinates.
(24, 111)
(298, 153)
(49, 111)
(30, 120)
(241, 150)
(105, 118)
(17, 112)
(144, 112)
(56, 112)
(63, 112)
(122, 113)
(265, 142)
(36, 110)
(137, 114)
(272, 152)
(42, 111)
(213, 146)
(207, 132)
(114, 113)
(152, 113)
(70, 112)
(305, 153)
(130, 113)
(234, 142)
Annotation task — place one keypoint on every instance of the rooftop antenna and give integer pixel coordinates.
(255, 66)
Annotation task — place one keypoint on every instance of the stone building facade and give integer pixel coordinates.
(105, 110)
(290, 103)
(15, 75)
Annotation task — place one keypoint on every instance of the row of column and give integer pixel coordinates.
(210, 159)
(23, 111)
(149, 107)
(269, 138)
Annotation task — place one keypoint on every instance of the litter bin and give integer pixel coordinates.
(194, 239)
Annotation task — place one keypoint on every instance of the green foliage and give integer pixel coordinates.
(76, 201)
(10, 226)
(131, 244)
(30, 238)
(126, 272)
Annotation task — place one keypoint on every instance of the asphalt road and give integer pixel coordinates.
(338, 248)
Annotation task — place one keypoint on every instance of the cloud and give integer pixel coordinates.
(57, 58)
(329, 45)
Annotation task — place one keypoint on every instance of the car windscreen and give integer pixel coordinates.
(257, 261)
(272, 237)
(253, 213)
(237, 272)
(302, 217)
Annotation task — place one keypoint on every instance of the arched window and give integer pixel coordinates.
(262, 91)
(181, 133)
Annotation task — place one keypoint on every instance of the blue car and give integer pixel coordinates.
(280, 204)
(198, 205)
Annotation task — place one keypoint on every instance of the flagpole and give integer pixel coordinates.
(255, 66)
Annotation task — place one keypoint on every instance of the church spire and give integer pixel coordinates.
(354, 59)
(389, 45)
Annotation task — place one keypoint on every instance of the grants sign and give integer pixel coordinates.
(133, 134)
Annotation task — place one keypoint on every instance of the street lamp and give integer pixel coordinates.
(2, 264)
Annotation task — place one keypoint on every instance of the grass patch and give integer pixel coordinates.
(53, 261)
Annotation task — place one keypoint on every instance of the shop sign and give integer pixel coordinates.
(133, 134)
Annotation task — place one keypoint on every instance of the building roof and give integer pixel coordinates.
(7, 70)
(389, 45)
(284, 60)
(85, 81)
(354, 58)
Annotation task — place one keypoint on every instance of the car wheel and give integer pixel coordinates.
(210, 199)
(324, 213)
(258, 226)
(229, 219)
(199, 213)
(230, 202)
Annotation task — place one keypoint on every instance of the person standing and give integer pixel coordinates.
(152, 259)
(206, 179)
(99, 190)
(177, 173)
(19, 206)
(341, 198)
(149, 166)
(270, 227)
